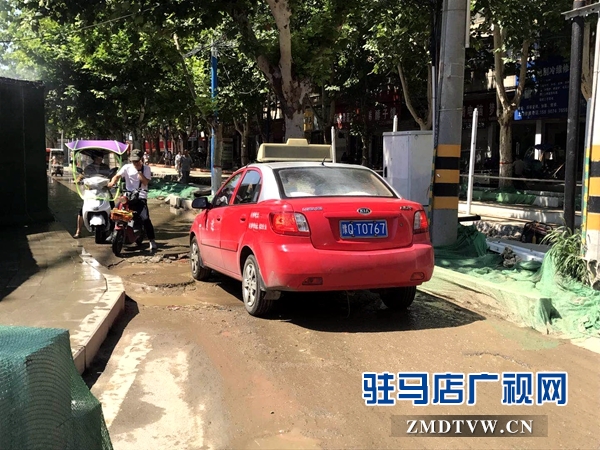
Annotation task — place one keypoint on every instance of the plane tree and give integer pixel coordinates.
(400, 39)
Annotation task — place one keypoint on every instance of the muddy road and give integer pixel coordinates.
(187, 368)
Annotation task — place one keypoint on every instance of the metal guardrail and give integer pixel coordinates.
(493, 177)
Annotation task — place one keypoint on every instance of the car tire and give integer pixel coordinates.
(253, 291)
(398, 298)
(199, 272)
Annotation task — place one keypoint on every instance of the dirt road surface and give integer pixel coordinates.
(187, 368)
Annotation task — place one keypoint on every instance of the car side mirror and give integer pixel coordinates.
(201, 203)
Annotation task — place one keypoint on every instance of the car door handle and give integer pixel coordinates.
(243, 219)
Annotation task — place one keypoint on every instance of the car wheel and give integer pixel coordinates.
(398, 298)
(253, 291)
(199, 272)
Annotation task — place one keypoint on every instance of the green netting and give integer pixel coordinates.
(163, 189)
(508, 195)
(504, 195)
(533, 292)
(44, 402)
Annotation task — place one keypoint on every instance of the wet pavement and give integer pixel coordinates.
(46, 280)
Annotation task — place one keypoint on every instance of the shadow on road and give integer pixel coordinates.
(361, 312)
(93, 372)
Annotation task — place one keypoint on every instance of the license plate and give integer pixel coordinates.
(350, 229)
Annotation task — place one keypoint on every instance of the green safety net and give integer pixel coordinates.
(534, 293)
(44, 402)
(162, 189)
(507, 196)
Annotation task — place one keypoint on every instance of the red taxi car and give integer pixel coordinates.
(311, 226)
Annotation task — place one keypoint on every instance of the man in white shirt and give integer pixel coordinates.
(178, 165)
(137, 176)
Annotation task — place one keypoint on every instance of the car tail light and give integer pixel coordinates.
(420, 223)
(289, 223)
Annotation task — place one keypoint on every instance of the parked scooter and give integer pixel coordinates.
(94, 164)
(96, 206)
(129, 228)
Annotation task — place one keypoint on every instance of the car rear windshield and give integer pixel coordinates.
(329, 181)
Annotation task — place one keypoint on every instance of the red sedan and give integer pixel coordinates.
(310, 226)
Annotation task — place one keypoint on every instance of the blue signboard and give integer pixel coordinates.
(548, 94)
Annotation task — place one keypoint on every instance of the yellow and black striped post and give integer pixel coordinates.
(591, 201)
(447, 177)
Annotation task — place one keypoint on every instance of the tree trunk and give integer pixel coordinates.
(424, 124)
(507, 106)
(244, 130)
(506, 156)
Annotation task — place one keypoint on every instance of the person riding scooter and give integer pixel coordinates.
(137, 177)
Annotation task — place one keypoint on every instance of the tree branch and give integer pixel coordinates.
(522, 74)
(499, 67)
(186, 74)
(408, 100)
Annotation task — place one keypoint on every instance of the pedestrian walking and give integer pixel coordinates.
(186, 165)
(178, 165)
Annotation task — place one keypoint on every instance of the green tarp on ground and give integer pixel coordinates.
(162, 189)
(532, 290)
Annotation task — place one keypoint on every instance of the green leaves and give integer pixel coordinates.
(567, 254)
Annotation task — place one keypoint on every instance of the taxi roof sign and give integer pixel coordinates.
(294, 150)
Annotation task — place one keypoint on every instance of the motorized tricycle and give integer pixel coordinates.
(94, 164)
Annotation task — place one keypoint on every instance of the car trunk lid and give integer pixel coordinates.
(369, 223)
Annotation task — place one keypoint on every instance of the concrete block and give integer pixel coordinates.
(547, 202)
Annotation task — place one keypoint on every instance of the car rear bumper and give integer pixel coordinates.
(291, 267)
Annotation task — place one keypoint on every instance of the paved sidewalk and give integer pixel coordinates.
(47, 280)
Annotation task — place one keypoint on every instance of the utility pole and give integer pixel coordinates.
(449, 126)
(573, 116)
(590, 207)
(215, 153)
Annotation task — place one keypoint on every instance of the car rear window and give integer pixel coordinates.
(329, 181)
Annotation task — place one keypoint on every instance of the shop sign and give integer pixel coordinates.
(486, 111)
(548, 94)
(388, 105)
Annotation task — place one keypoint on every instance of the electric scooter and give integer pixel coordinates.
(96, 207)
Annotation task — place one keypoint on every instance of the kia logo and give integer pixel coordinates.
(364, 211)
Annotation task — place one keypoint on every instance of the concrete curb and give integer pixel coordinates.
(501, 302)
(110, 306)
